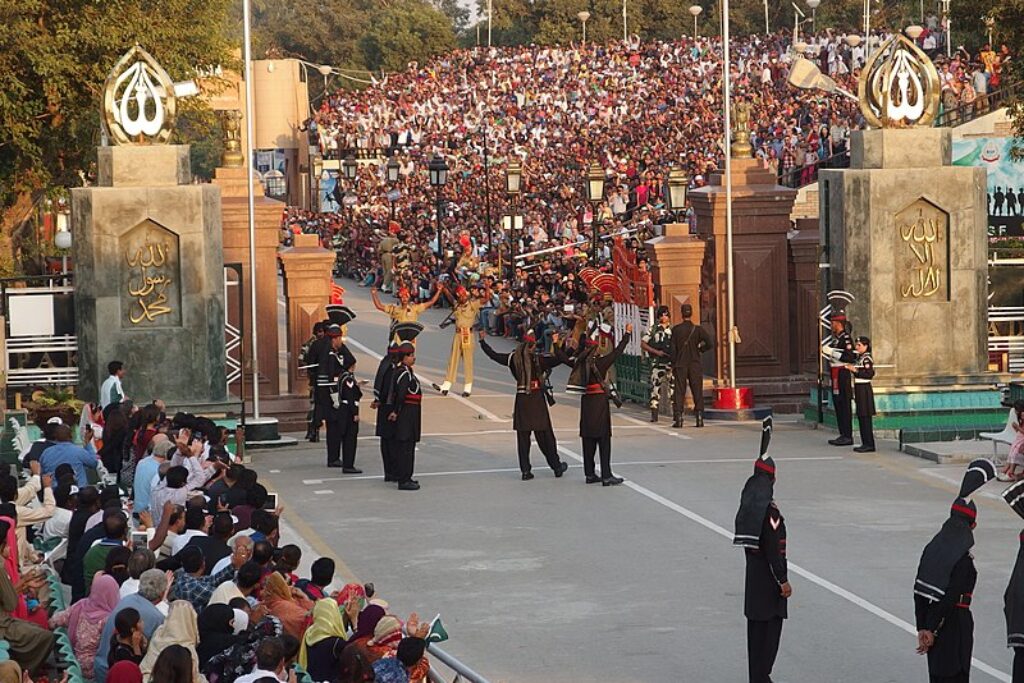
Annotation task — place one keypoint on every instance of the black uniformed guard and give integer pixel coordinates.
(310, 361)
(944, 586)
(840, 353)
(1013, 598)
(342, 416)
(383, 393)
(863, 370)
(530, 413)
(405, 414)
(658, 345)
(689, 341)
(761, 532)
(589, 377)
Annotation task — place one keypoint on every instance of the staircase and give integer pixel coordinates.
(786, 395)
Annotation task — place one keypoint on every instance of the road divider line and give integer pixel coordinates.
(839, 591)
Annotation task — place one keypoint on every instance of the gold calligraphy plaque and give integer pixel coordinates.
(922, 253)
(150, 277)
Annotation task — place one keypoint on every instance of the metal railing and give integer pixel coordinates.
(462, 672)
(808, 173)
(984, 104)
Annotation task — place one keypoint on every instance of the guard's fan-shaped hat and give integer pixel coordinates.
(405, 332)
(1014, 497)
(979, 472)
(340, 315)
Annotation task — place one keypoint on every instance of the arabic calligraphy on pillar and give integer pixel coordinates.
(922, 258)
(139, 105)
(899, 86)
(148, 281)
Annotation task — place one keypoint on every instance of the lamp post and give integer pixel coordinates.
(853, 40)
(349, 170)
(595, 193)
(62, 240)
(583, 16)
(250, 136)
(695, 10)
(727, 129)
(625, 37)
(813, 4)
(392, 168)
(513, 186)
(675, 195)
(867, 28)
(438, 171)
(325, 71)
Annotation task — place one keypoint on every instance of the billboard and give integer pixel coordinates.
(1005, 181)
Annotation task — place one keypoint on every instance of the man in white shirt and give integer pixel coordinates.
(196, 524)
(22, 498)
(111, 390)
(57, 526)
(269, 663)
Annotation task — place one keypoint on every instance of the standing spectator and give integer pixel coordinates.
(111, 391)
(65, 452)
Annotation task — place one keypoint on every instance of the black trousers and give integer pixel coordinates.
(590, 446)
(403, 454)
(387, 447)
(1018, 665)
(546, 442)
(762, 646)
(962, 677)
(340, 446)
(867, 434)
(694, 376)
(843, 402)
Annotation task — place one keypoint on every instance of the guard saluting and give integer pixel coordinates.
(328, 365)
(530, 413)
(405, 414)
(945, 583)
(761, 532)
(1013, 598)
(342, 416)
(589, 377)
(310, 362)
(383, 393)
(863, 371)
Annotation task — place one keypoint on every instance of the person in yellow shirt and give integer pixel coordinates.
(404, 311)
(465, 313)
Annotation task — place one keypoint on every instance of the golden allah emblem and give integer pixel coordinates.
(899, 86)
(139, 105)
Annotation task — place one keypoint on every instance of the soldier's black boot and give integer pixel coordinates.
(654, 414)
(677, 421)
(700, 419)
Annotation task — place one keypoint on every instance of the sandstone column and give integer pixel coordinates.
(676, 259)
(307, 286)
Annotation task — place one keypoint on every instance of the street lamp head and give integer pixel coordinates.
(438, 170)
(813, 4)
(853, 40)
(513, 177)
(349, 167)
(695, 10)
(392, 168)
(583, 16)
(62, 238)
(595, 183)
(677, 184)
(914, 32)
(799, 47)
(325, 70)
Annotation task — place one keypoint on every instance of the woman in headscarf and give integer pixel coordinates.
(180, 628)
(324, 642)
(86, 618)
(388, 636)
(350, 593)
(239, 660)
(216, 633)
(366, 622)
(289, 605)
(124, 672)
(30, 645)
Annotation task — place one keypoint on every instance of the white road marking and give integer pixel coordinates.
(275, 471)
(427, 381)
(956, 478)
(649, 425)
(506, 431)
(707, 461)
(796, 569)
(323, 493)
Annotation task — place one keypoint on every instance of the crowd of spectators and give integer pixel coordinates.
(156, 555)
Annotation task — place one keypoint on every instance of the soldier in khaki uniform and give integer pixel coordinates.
(386, 250)
(404, 311)
(465, 315)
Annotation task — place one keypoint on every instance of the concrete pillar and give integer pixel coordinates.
(307, 286)
(676, 260)
(235, 220)
(760, 210)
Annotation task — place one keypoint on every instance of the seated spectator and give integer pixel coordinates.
(115, 534)
(176, 664)
(217, 633)
(35, 450)
(192, 585)
(153, 588)
(321, 576)
(129, 642)
(270, 662)
(147, 474)
(288, 604)
(88, 503)
(323, 642)
(116, 565)
(180, 628)
(21, 498)
(246, 582)
(141, 560)
(195, 526)
(264, 527)
(219, 490)
(74, 565)
(287, 560)
(124, 672)
(58, 526)
(172, 488)
(29, 644)
(65, 452)
(242, 545)
(215, 545)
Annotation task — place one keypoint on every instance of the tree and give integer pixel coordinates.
(318, 31)
(404, 31)
(54, 59)
(457, 13)
(1009, 25)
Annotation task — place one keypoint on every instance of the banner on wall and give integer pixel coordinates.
(328, 193)
(1005, 181)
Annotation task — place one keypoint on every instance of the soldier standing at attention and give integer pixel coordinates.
(840, 353)
(761, 532)
(689, 341)
(310, 355)
(530, 414)
(465, 313)
(342, 416)
(383, 394)
(658, 345)
(386, 249)
(406, 416)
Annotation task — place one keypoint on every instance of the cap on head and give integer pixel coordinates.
(340, 315)
(334, 330)
(979, 472)
(687, 310)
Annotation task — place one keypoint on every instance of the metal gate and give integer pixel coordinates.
(233, 335)
(41, 345)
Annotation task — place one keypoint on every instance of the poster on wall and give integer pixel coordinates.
(1005, 181)
(329, 195)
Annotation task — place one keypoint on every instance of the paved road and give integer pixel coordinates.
(553, 581)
